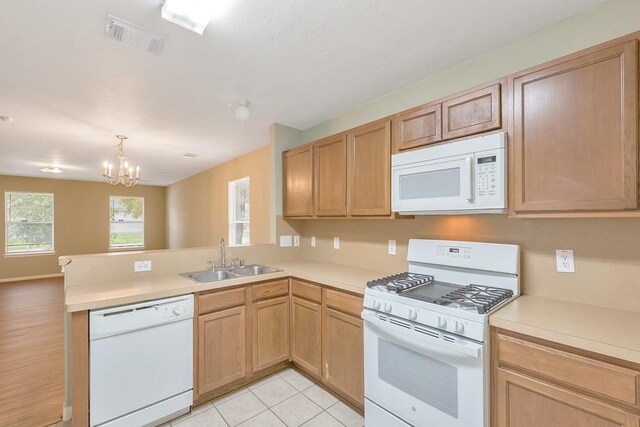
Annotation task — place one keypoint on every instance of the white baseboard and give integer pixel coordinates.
(66, 413)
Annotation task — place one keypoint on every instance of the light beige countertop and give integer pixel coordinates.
(600, 330)
(150, 287)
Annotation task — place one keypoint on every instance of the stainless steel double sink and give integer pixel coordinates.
(226, 273)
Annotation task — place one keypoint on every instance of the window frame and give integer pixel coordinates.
(126, 248)
(51, 251)
(232, 211)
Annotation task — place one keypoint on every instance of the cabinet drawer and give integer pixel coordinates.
(572, 370)
(270, 289)
(344, 302)
(220, 300)
(306, 290)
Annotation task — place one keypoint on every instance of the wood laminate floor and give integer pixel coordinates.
(31, 352)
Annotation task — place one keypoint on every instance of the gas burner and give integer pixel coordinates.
(400, 282)
(476, 298)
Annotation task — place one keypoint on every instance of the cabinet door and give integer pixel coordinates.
(306, 323)
(343, 355)
(575, 134)
(270, 332)
(221, 348)
(417, 127)
(331, 177)
(521, 401)
(369, 163)
(297, 180)
(474, 112)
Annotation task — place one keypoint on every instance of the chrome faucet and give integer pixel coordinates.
(223, 262)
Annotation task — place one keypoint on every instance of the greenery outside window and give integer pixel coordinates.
(28, 223)
(126, 227)
(239, 213)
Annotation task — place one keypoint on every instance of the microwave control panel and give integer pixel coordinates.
(487, 176)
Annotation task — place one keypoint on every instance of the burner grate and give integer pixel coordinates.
(475, 297)
(400, 282)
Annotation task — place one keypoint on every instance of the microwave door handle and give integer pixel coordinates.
(466, 180)
(423, 342)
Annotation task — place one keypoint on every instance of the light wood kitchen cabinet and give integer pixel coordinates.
(270, 332)
(221, 348)
(417, 127)
(574, 139)
(306, 324)
(473, 112)
(369, 168)
(297, 197)
(538, 383)
(330, 197)
(343, 345)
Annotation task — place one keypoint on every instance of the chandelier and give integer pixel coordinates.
(127, 175)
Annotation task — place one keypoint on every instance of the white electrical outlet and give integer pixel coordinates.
(313, 241)
(296, 240)
(564, 261)
(392, 247)
(336, 243)
(286, 241)
(139, 266)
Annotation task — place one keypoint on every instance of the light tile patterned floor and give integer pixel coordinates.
(286, 398)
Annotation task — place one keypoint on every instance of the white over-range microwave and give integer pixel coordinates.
(466, 176)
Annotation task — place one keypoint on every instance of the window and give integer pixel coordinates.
(28, 223)
(126, 229)
(239, 212)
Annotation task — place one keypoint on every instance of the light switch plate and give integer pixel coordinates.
(296, 240)
(392, 247)
(313, 241)
(139, 266)
(336, 242)
(564, 261)
(286, 241)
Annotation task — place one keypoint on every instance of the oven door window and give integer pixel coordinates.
(426, 379)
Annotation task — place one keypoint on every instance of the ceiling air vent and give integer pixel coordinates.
(132, 35)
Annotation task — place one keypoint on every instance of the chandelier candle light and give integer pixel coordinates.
(126, 175)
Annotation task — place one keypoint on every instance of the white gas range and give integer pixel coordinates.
(426, 334)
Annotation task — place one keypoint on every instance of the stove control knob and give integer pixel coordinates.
(442, 322)
(387, 308)
(413, 315)
(459, 326)
(376, 304)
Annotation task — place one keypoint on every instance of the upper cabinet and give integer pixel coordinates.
(417, 127)
(345, 175)
(574, 139)
(474, 112)
(463, 114)
(331, 176)
(369, 160)
(297, 177)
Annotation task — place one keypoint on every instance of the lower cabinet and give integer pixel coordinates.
(221, 348)
(270, 332)
(306, 324)
(343, 354)
(539, 384)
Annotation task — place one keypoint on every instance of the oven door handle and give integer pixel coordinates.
(422, 341)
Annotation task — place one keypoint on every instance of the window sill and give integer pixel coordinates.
(239, 246)
(28, 254)
(127, 249)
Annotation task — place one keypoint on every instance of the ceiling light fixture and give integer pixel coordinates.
(242, 111)
(194, 15)
(127, 175)
(52, 169)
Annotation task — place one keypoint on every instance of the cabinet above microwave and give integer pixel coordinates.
(466, 177)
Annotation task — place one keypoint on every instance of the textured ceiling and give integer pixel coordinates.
(298, 62)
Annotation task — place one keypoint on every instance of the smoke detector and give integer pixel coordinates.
(133, 35)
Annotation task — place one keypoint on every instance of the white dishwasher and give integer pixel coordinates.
(141, 362)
